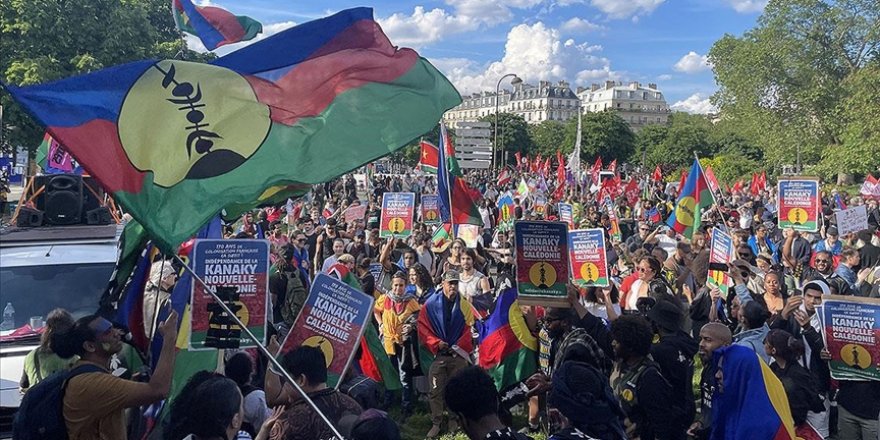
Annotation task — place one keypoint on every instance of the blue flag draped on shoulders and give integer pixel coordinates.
(751, 402)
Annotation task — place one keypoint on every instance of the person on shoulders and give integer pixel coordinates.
(42, 361)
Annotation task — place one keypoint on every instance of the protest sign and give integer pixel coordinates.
(586, 256)
(720, 253)
(238, 272)
(852, 336)
(852, 220)
(798, 202)
(541, 262)
(397, 214)
(354, 213)
(614, 230)
(566, 214)
(332, 319)
(469, 233)
(506, 208)
(431, 209)
(540, 204)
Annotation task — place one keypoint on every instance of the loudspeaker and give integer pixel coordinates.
(98, 216)
(29, 218)
(64, 199)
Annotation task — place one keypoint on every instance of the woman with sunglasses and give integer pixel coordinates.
(452, 259)
(647, 270)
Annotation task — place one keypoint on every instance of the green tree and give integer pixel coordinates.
(548, 136)
(728, 167)
(45, 40)
(859, 150)
(783, 82)
(648, 139)
(603, 134)
(674, 145)
(513, 134)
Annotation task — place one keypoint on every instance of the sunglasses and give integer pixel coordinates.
(642, 269)
(822, 261)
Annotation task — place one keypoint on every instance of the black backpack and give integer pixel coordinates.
(41, 413)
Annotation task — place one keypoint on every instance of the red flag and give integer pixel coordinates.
(429, 157)
(546, 169)
(560, 169)
(763, 181)
(536, 164)
(503, 177)
(631, 192)
(753, 187)
(518, 157)
(681, 182)
(526, 163)
(613, 166)
(594, 172)
(711, 180)
(658, 174)
(738, 186)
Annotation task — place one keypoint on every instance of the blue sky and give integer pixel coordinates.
(475, 42)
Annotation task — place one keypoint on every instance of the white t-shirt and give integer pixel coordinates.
(471, 287)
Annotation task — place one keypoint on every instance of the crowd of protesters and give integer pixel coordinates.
(641, 358)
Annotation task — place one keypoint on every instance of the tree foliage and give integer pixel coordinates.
(46, 40)
(603, 134)
(784, 84)
(548, 136)
(513, 133)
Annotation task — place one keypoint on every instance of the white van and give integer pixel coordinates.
(42, 269)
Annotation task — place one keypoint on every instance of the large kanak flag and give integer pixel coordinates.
(175, 142)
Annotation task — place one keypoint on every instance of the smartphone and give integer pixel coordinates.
(719, 267)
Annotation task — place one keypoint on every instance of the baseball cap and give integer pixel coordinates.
(451, 275)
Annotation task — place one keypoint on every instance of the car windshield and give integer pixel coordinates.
(36, 290)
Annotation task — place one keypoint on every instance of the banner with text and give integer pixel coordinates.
(397, 214)
(720, 253)
(332, 319)
(566, 214)
(541, 261)
(852, 336)
(355, 213)
(237, 270)
(431, 209)
(586, 255)
(798, 202)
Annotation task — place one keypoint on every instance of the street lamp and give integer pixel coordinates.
(513, 82)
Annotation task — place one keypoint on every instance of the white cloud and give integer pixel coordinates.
(580, 26)
(621, 9)
(696, 103)
(692, 63)
(193, 42)
(664, 77)
(422, 27)
(748, 6)
(533, 52)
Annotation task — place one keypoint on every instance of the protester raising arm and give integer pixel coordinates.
(385, 256)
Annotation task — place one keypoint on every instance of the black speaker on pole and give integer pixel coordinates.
(29, 218)
(64, 199)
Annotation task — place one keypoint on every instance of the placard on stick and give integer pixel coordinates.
(542, 262)
(238, 271)
(332, 319)
(852, 336)
(798, 202)
(431, 209)
(720, 252)
(588, 262)
(397, 214)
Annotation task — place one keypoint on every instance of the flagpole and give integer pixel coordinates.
(714, 198)
(262, 347)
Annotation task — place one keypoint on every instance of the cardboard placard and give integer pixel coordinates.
(566, 214)
(431, 209)
(332, 319)
(541, 262)
(852, 220)
(852, 336)
(588, 262)
(397, 215)
(355, 213)
(238, 271)
(798, 203)
(721, 251)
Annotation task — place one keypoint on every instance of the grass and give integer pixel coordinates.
(416, 426)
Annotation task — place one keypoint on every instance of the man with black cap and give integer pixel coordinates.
(830, 243)
(445, 329)
(674, 353)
